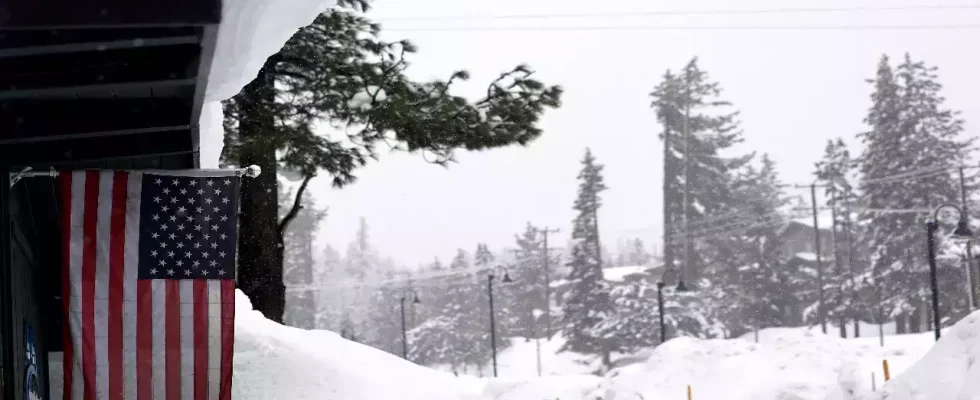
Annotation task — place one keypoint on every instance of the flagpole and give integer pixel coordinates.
(251, 171)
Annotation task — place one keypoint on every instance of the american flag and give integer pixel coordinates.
(149, 267)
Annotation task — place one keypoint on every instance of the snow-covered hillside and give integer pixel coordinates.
(949, 371)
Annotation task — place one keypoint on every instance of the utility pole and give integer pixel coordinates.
(969, 248)
(849, 233)
(598, 243)
(687, 183)
(668, 253)
(547, 279)
(837, 268)
(821, 315)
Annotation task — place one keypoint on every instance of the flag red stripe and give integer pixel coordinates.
(173, 339)
(200, 339)
(117, 265)
(68, 354)
(89, 243)
(144, 340)
(227, 336)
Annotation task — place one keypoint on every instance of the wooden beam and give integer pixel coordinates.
(38, 14)
(130, 43)
(26, 120)
(99, 67)
(143, 144)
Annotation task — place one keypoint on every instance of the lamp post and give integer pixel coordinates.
(415, 300)
(493, 328)
(681, 287)
(962, 232)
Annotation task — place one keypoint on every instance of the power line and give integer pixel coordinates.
(621, 14)
(689, 28)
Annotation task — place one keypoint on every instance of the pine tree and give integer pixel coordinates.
(758, 288)
(298, 266)
(690, 102)
(360, 271)
(330, 304)
(338, 70)
(587, 302)
(835, 170)
(384, 316)
(909, 127)
(639, 255)
(527, 294)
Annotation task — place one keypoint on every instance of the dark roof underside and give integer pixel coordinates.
(104, 82)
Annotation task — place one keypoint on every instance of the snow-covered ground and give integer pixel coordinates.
(277, 362)
(949, 371)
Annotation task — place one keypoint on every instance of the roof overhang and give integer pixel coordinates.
(85, 81)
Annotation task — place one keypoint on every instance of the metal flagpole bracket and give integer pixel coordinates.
(28, 172)
(251, 171)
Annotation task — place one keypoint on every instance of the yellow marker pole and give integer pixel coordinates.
(884, 366)
(689, 392)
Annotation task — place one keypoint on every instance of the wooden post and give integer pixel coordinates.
(689, 397)
(884, 366)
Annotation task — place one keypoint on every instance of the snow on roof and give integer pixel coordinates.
(250, 32)
(806, 256)
(618, 274)
(824, 219)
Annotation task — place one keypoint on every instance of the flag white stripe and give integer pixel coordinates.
(214, 339)
(75, 273)
(159, 336)
(130, 280)
(102, 233)
(187, 339)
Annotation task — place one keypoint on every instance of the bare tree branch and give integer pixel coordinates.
(297, 205)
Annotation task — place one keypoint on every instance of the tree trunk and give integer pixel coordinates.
(260, 246)
(900, 324)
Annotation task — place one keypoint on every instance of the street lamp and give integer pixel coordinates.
(961, 232)
(415, 300)
(660, 302)
(493, 328)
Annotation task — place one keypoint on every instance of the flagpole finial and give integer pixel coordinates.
(252, 171)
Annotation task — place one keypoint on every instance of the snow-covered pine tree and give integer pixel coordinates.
(384, 314)
(835, 170)
(911, 133)
(527, 292)
(330, 303)
(691, 100)
(587, 300)
(639, 254)
(360, 274)
(759, 291)
(298, 266)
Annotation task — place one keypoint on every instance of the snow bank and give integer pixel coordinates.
(274, 362)
(786, 364)
(250, 32)
(568, 387)
(949, 371)
(278, 362)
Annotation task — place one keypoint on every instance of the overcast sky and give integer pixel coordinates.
(795, 88)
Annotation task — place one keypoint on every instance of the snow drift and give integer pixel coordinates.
(273, 362)
(948, 372)
(786, 364)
